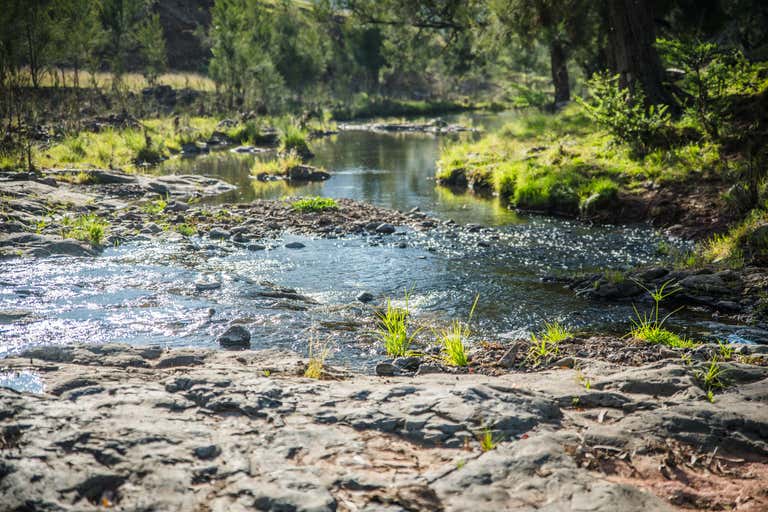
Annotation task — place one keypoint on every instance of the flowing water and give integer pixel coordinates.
(144, 292)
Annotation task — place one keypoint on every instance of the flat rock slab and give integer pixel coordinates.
(140, 428)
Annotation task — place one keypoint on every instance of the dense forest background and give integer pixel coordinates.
(275, 55)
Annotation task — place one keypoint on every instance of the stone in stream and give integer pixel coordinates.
(203, 286)
(295, 245)
(385, 229)
(235, 337)
(256, 247)
(219, 234)
(364, 297)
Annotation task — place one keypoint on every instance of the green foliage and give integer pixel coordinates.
(88, 228)
(315, 204)
(649, 327)
(278, 166)
(711, 377)
(293, 139)
(546, 344)
(711, 75)
(487, 440)
(186, 229)
(454, 337)
(624, 112)
(156, 207)
(393, 329)
(149, 36)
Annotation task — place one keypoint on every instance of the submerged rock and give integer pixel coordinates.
(364, 297)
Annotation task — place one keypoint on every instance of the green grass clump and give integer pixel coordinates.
(156, 207)
(649, 327)
(315, 204)
(487, 441)
(318, 353)
(87, 228)
(393, 329)
(646, 331)
(278, 166)
(186, 229)
(454, 337)
(546, 344)
(293, 139)
(560, 163)
(746, 243)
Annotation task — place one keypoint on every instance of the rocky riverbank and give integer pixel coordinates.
(148, 428)
(740, 294)
(38, 211)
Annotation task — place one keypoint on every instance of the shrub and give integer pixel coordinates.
(293, 138)
(624, 112)
(711, 75)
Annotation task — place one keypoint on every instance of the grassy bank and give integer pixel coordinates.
(561, 163)
(364, 106)
(149, 141)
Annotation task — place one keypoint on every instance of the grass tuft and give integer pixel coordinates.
(393, 329)
(454, 338)
(315, 204)
(318, 353)
(87, 228)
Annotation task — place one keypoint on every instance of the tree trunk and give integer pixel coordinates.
(632, 36)
(560, 77)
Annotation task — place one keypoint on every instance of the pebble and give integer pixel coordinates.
(207, 452)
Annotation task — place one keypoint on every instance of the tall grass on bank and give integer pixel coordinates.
(454, 338)
(393, 328)
(546, 344)
(649, 326)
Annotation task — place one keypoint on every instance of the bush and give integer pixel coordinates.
(711, 75)
(624, 112)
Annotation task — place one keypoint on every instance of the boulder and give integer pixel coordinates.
(236, 337)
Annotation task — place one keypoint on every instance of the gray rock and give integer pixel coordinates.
(364, 297)
(408, 364)
(236, 337)
(295, 245)
(385, 229)
(207, 452)
(386, 370)
(219, 234)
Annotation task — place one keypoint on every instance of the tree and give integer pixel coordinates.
(152, 44)
(78, 34)
(121, 19)
(35, 24)
(632, 36)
